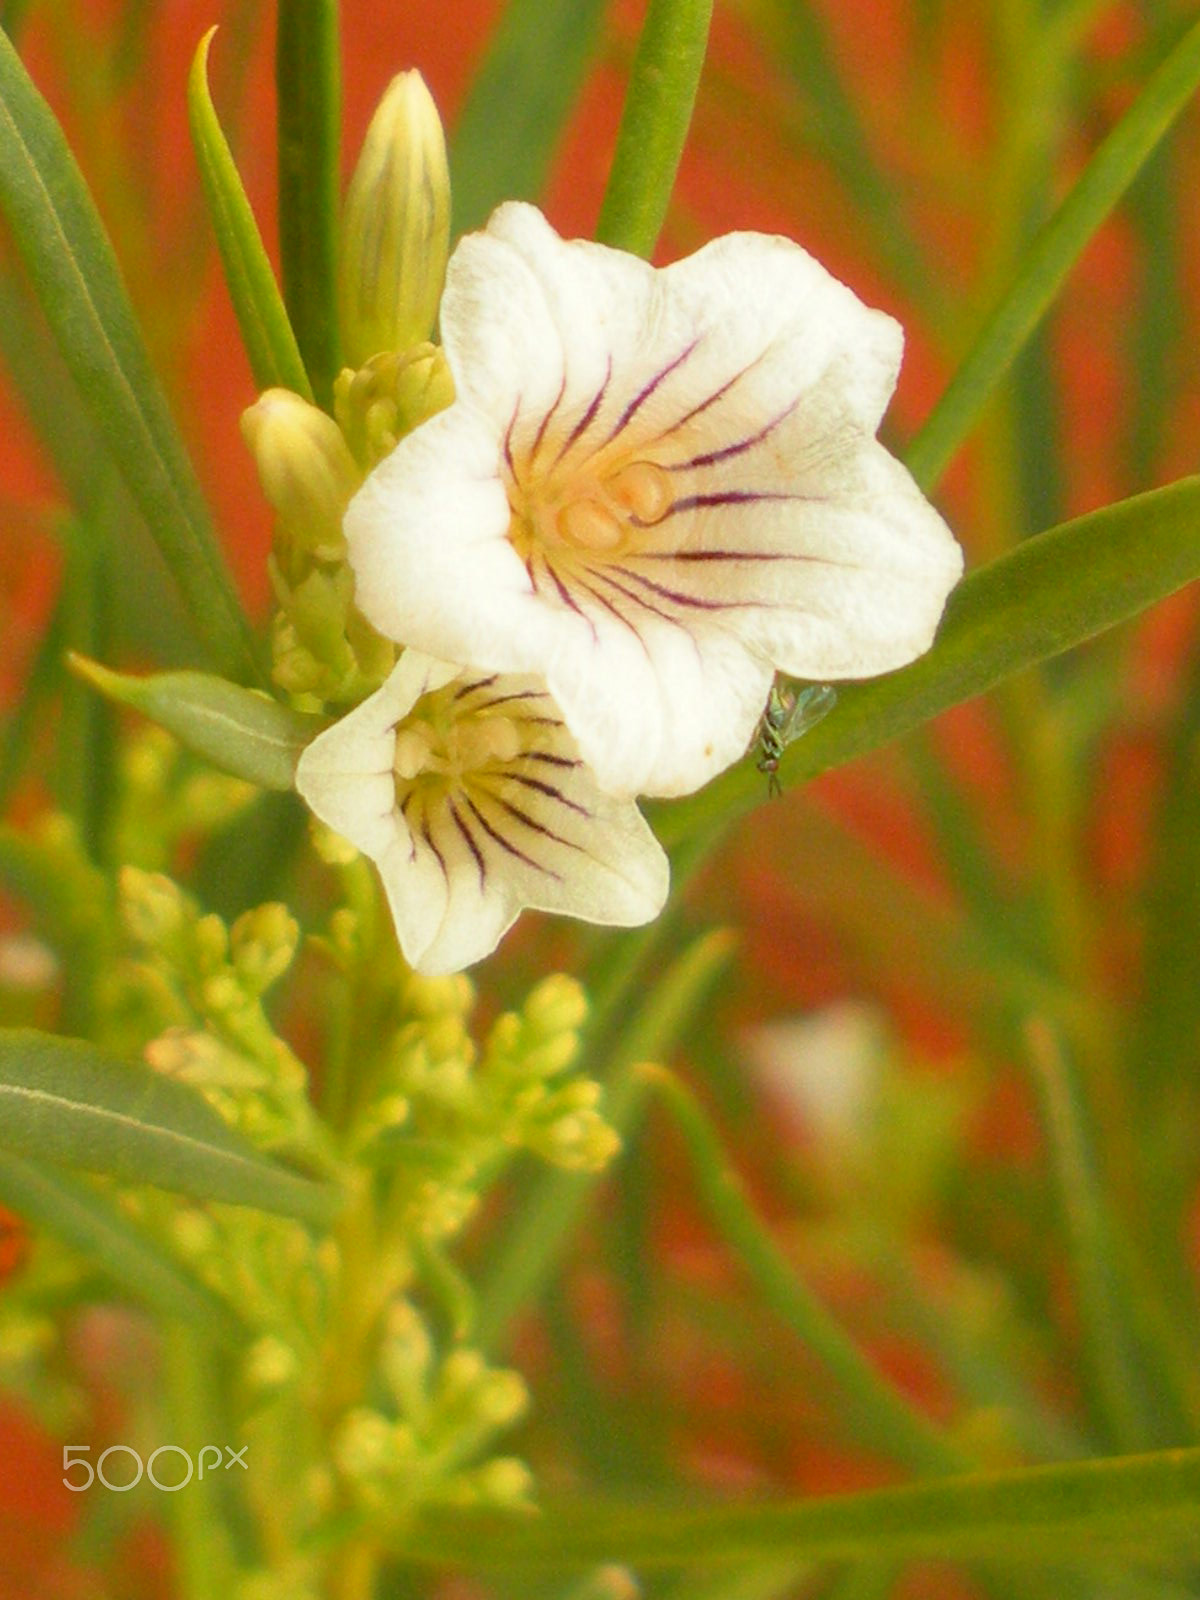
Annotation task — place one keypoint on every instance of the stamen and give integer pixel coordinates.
(643, 488)
(481, 741)
(414, 746)
(590, 526)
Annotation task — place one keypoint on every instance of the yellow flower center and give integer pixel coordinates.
(437, 743)
(594, 513)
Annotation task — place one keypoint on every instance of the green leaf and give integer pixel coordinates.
(1138, 1508)
(309, 120)
(1048, 261)
(267, 333)
(91, 1223)
(238, 730)
(654, 124)
(519, 103)
(1051, 593)
(63, 1100)
(78, 283)
(84, 777)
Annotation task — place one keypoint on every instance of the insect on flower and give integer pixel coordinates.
(790, 711)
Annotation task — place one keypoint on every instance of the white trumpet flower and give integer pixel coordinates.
(654, 489)
(468, 792)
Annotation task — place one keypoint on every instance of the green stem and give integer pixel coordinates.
(1053, 254)
(1110, 1346)
(308, 84)
(654, 125)
(876, 1411)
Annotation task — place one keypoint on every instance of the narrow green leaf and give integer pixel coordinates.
(1052, 592)
(879, 1413)
(1048, 261)
(78, 283)
(147, 615)
(798, 37)
(519, 103)
(44, 674)
(1139, 1508)
(522, 1260)
(239, 730)
(1141, 1405)
(309, 90)
(267, 333)
(83, 784)
(63, 1100)
(91, 1223)
(654, 124)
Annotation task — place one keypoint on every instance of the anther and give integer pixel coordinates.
(643, 488)
(590, 526)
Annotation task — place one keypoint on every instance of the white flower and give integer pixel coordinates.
(468, 792)
(654, 489)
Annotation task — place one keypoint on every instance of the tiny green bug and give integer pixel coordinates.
(789, 712)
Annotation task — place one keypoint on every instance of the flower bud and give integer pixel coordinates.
(388, 397)
(153, 909)
(263, 942)
(558, 1005)
(395, 226)
(305, 468)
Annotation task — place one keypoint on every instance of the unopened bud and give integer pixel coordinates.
(263, 942)
(395, 226)
(558, 1005)
(153, 908)
(305, 468)
(388, 397)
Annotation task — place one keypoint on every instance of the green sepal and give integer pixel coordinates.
(66, 1101)
(267, 333)
(239, 730)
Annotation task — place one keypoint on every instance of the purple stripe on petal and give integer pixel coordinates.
(547, 756)
(728, 497)
(545, 422)
(639, 399)
(568, 599)
(636, 599)
(469, 839)
(427, 835)
(585, 421)
(711, 457)
(517, 694)
(741, 555)
(678, 598)
(549, 790)
(717, 394)
(508, 433)
(476, 683)
(533, 824)
(618, 613)
(507, 844)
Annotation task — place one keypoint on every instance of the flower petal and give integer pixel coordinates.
(459, 860)
(654, 489)
(428, 542)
